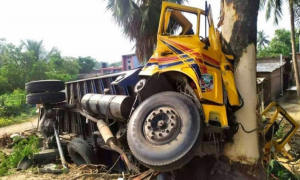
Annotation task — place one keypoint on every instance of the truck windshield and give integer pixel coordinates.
(179, 23)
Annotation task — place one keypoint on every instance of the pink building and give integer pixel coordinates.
(130, 61)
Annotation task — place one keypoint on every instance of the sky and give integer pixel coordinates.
(85, 27)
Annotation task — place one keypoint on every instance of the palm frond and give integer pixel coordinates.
(273, 7)
(277, 11)
(262, 4)
(139, 21)
(262, 39)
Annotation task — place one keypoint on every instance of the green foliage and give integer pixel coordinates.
(115, 64)
(18, 66)
(13, 109)
(13, 104)
(37, 48)
(262, 39)
(23, 147)
(280, 44)
(23, 117)
(280, 132)
(98, 64)
(86, 63)
(279, 171)
(62, 69)
(15, 67)
(274, 8)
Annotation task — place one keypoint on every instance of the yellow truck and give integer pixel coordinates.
(156, 117)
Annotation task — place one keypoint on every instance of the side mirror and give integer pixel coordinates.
(167, 20)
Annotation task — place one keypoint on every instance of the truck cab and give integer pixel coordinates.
(181, 49)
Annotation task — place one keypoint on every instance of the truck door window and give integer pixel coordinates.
(179, 23)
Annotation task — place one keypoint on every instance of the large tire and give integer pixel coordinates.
(81, 152)
(45, 98)
(175, 145)
(44, 86)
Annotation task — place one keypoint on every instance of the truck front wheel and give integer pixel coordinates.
(165, 131)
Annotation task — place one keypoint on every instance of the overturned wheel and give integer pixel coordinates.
(81, 152)
(44, 86)
(165, 131)
(45, 98)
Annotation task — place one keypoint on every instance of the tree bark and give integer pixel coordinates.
(239, 29)
(294, 56)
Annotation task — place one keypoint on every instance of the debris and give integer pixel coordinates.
(15, 135)
(51, 168)
(24, 164)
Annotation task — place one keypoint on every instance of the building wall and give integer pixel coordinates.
(136, 62)
(271, 85)
(130, 62)
(275, 84)
(266, 86)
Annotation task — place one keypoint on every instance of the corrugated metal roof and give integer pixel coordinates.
(260, 80)
(268, 67)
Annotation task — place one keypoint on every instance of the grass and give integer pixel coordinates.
(24, 117)
(22, 148)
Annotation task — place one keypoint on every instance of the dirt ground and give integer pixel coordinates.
(18, 128)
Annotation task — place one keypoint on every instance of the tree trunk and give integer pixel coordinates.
(294, 56)
(239, 29)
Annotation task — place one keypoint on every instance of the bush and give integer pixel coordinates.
(25, 147)
(13, 108)
(13, 104)
(6, 121)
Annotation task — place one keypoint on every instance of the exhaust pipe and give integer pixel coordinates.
(110, 140)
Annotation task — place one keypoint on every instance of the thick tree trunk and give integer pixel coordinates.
(239, 29)
(294, 56)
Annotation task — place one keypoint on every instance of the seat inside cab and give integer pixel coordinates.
(176, 20)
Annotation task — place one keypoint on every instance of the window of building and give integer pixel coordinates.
(129, 67)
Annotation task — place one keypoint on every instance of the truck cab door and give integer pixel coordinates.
(179, 49)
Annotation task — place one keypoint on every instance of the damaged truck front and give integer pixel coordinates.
(158, 117)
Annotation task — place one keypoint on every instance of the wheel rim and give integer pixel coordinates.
(162, 125)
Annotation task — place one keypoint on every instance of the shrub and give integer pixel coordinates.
(13, 104)
(25, 147)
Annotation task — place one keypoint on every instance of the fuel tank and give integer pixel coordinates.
(113, 106)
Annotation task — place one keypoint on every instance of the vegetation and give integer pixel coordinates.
(139, 22)
(86, 64)
(115, 64)
(22, 148)
(13, 108)
(29, 61)
(280, 44)
(262, 39)
(12, 104)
